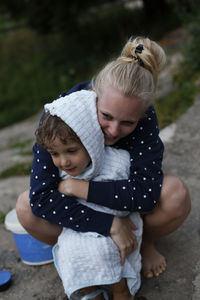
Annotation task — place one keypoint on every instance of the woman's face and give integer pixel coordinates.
(118, 115)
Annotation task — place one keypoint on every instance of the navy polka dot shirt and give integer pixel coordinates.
(139, 193)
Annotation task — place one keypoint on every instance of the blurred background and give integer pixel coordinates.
(48, 46)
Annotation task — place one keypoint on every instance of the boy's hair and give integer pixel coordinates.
(54, 127)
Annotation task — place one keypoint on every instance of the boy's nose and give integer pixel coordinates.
(64, 162)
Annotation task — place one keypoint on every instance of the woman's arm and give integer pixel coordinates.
(142, 190)
(48, 203)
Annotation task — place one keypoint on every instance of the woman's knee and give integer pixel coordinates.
(175, 197)
(22, 204)
(23, 209)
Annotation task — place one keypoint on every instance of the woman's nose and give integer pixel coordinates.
(113, 129)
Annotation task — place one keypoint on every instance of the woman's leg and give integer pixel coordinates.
(40, 229)
(173, 208)
(121, 291)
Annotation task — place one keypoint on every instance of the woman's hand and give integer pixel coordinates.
(122, 234)
(74, 187)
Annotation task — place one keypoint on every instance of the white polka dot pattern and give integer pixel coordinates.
(143, 141)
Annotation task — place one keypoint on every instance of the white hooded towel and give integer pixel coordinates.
(88, 259)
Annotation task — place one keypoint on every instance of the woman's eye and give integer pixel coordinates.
(128, 123)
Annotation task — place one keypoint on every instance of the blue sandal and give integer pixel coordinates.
(5, 280)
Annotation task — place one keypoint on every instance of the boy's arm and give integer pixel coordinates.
(74, 187)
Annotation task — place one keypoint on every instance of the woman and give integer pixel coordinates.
(125, 88)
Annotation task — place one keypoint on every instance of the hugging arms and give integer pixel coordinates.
(139, 193)
(125, 89)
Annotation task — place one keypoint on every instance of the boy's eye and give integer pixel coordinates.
(72, 150)
(53, 153)
(106, 116)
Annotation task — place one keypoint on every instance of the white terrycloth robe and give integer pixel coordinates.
(88, 259)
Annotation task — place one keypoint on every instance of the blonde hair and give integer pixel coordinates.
(135, 71)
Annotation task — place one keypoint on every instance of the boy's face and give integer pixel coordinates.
(72, 158)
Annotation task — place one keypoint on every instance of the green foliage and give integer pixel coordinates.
(189, 13)
(25, 147)
(49, 16)
(68, 17)
(175, 104)
(186, 10)
(36, 68)
(171, 107)
(20, 169)
(20, 144)
(192, 48)
(2, 217)
(28, 77)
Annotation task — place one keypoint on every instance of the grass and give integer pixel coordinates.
(2, 217)
(25, 152)
(21, 145)
(25, 147)
(20, 169)
(29, 77)
(171, 107)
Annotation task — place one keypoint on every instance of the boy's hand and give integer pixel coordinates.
(122, 234)
(74, 187)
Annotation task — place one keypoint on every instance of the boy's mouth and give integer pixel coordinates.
(70, 170)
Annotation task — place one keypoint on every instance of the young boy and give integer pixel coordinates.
(70, 132)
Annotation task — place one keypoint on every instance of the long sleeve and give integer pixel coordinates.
(141, 191)
(47, 203)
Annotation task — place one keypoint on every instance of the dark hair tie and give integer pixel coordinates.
(139, 48)
(140, 62)
(132, 56)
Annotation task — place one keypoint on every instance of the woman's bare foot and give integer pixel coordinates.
(153, 263)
